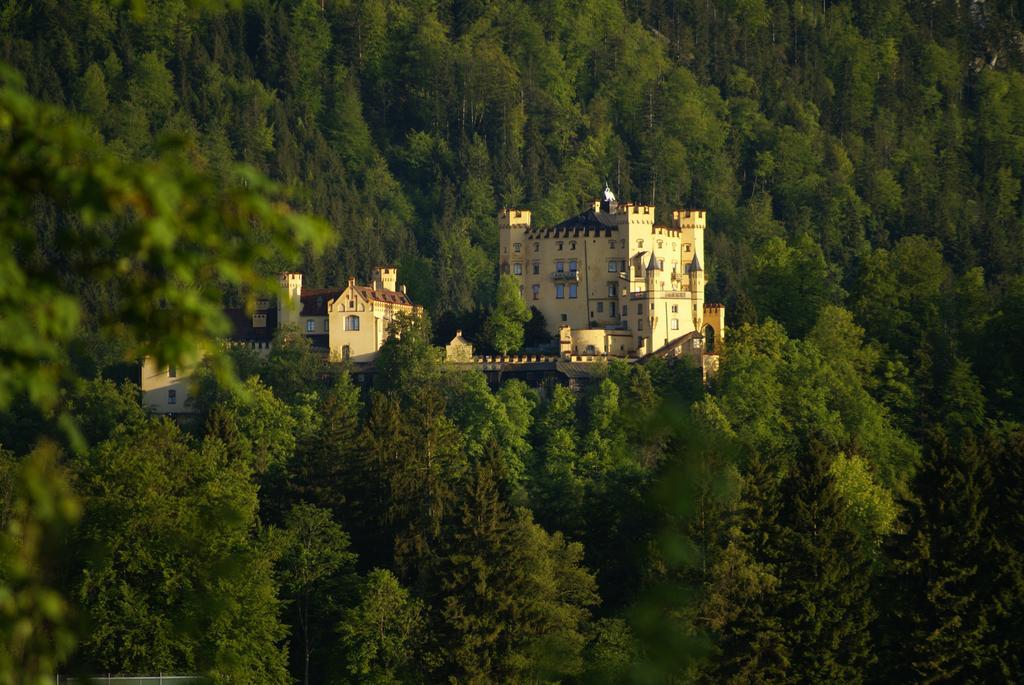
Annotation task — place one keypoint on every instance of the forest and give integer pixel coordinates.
(840, 504)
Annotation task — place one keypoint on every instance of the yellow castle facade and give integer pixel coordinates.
(349, 323)
(610, 281)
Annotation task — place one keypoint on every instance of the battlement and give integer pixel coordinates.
(510, 218)
(637, 213)
(385, 278)
(667, 231)
(689, 218)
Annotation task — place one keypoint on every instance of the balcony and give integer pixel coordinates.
(573, 276)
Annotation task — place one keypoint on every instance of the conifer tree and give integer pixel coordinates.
(742, 606)
(938, 603)
(511, 598)
(324, 469)
(1006, 521)
(823, 599)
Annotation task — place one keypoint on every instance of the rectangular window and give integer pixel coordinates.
(613, 266)
(310, 326)
(611, 290)
(559, 292)
(536, 268)
(172, 396)
(352, 323)
(518, 247)
(611, 309)
(536, 247)
(675, 324)
(172, 371)
(517, 269)
(675, 308)
(611, 244)
(600, 307)
(327, 326)
(564, 317)
(640, 308)
(572, 266)
(559, 247)
(625, 310)
(572, 291)
(639, 324)
(536, 291)
(559, 267)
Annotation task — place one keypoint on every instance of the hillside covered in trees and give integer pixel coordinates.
(841, 504)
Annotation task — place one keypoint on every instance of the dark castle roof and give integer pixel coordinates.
(588, 223)
(243, 330)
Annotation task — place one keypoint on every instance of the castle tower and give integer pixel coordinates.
(290, 301)
(696, 275)
(512, 227)
(691, 224)
(385, 278)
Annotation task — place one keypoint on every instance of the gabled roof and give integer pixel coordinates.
(387, 296)
(314, 300)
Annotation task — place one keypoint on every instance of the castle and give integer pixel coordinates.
(609, 282)
(612, 283)
(349, 323)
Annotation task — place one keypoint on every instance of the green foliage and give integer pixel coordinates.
(870, 507)
(174, 578)
(504, 327)
(162, 234)
(316, 565)
(35, 616)
(382, 634)
(862, 166)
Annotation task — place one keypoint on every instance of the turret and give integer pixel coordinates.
(696, 276)
(653, 273)
(289, 302)
(385, 278)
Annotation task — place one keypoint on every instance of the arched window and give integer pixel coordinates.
(709, 339)
(352, 323)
